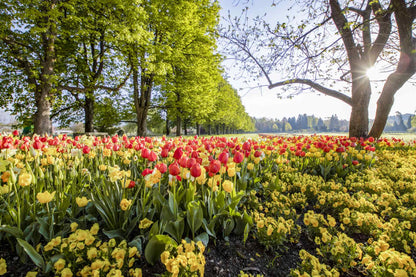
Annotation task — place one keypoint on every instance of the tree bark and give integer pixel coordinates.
(142, 97)
(198, 129)
(361, 93)
(178, 125)
(167, 126)
(89, 113)
(42, 120)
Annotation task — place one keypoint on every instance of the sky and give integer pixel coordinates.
(262, 102)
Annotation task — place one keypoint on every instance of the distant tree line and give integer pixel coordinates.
(302, 122)
(398, 123)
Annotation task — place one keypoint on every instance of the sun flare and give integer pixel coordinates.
(373, 73)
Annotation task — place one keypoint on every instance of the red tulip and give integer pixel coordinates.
(147, 171)
(152, 156)
(223, 158)
(162, 167)
(174, 169)
(190, 162)
(196, 170)
(178, 153)
(132, 184)
(238, 157)
(145, 153)
(214, 166)
(15, 133)
(86, 149)
(165, 153)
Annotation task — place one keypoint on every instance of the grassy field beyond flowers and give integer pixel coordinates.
(120, 206)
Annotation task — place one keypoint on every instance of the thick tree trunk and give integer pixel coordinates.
(394, 82)
(209, 129)
(198, 129)
(178, 125)
(89, 113)
(185, 128)
(142, 99)
(167, 126)
(42, 120)
(361, 92)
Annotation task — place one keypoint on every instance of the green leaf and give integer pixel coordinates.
(14, 231)
(194, 216)
(3, 165)
(176, 228)
(204, 238)
(156, 246)
(35, 256)
(246, 232)
(118, 233)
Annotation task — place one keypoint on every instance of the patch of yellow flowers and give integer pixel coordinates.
(187, 259)
(83, 254)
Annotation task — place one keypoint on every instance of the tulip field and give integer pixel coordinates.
(135, 206)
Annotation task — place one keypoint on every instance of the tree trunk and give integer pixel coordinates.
(89, 113)
(167, 126)
(361, 92)
(198, 129)
(178, 125)
(42, 121)
(142, 99)
(394, 82)
(209, 129)
(185, 127)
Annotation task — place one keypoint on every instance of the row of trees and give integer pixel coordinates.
(302, 123)
(108, 61)
(310, 123)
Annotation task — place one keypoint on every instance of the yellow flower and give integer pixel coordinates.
(125, 204)
(4, 189)
(400, 273)
(270, 230)
(82, 201)
(59, 264)
(92, 253)
(227, 186)
(5, 176)
(31, 274)
(231, 171)
(137, 272)
(250, 166)
(94, 229)
(132, 251)
(45, 197)
(74, 226)
(3, 266)
(102, 167)
(145, 223)
(66, 272)
(25, 179)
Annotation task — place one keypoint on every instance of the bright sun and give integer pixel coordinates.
(373, 73)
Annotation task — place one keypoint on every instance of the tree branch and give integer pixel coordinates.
(318, 87)
(347, 37)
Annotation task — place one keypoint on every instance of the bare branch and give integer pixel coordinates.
(318, 87)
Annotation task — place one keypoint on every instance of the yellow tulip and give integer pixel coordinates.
(44, 197)
(125, 204)
(25, 179)
(82, 201)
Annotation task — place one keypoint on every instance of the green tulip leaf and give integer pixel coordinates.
(35, 256)
(156, 246)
